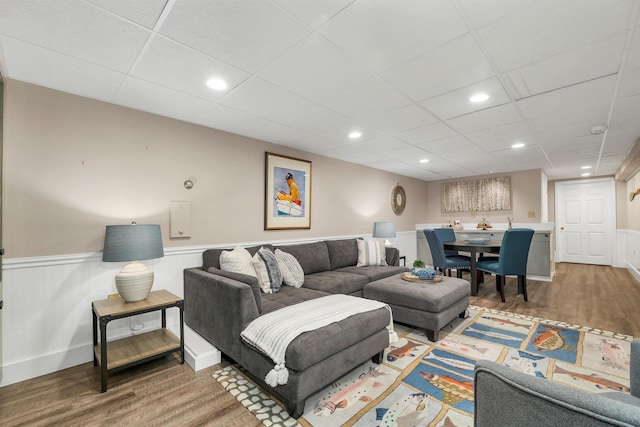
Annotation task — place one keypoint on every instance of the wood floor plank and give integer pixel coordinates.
(163, 392)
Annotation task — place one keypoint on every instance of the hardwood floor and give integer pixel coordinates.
(163, 392)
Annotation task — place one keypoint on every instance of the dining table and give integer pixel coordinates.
(474, 247)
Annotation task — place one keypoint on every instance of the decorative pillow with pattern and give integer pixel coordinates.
(237, 261)
(266, 267)
(292, 272)
(371, 252)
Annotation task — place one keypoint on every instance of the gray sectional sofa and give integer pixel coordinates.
(219, 305)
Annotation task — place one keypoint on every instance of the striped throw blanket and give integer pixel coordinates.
(271, 333)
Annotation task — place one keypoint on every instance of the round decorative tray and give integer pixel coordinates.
(410, 277)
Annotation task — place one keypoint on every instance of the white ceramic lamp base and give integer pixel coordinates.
(134, 282)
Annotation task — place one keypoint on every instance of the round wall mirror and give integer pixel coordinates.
(398, 200)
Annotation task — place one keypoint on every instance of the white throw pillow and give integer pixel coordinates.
(292, 272)
(266, 267)
(371, 252)
(237, 261)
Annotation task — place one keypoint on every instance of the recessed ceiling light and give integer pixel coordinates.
(355, 135)
(479, 97)
(424, 160)
(518, 145)
(585, 174)
(586, 167)
(216, 83)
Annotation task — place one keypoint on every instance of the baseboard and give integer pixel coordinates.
(198, 352)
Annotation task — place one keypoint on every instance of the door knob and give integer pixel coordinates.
(561, 228)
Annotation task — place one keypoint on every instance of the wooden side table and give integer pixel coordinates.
(130, 351)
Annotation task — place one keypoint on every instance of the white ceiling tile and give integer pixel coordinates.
(145, 96)
(341, 133)
(508, 132)
(277, 133)
(582, 117)
(547, 28)
(630, 83)
(314, 13)
(633, 58)
(223, 118)
(370, 97)
(426, 133)
(401, 119)
(381, 34)
(315, 69)
(26, 62)
(595, 60)
(484, 12)
(484, 119)
(316, 119)
(452, 144)
(456, 103)
(172, 65)
(144, 12)
(264, 100)
(245, 33)
(88, 33)
(627, 105)
(317, 144)
(579, 96)
(445, 68)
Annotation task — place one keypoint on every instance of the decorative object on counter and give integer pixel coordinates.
(489, 194)
(484, 224)
(510, 220)
(384, 230)
(398, 199)
(457, 226)
(418, 264)
(133, 243)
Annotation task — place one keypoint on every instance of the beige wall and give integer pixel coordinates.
(631, 208)
(73, 165)
(525, 198)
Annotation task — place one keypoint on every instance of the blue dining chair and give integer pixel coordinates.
(440, 260)
(512, 260)
(447, 235)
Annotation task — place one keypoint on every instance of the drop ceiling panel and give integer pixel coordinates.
(445, 68)
(579, 96)
(484, 119)
(67, 74)
(223, 118)
(142, 12)
(585, 118)
(314, 14)
(373, 96)
(88, 33)
(145, 96)
(401, 119)
(381, 35)
(548, 28)
(315, 70)
(580, 65)
(456, 103)
(450, 145)
(277, 133)
(510, 132)
(264, 100)
(630, 83)
(244, 33)
(482, 13)
(426, 133)
(316, 119)
(178, 67)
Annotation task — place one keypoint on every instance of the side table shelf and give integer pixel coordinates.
(130, 351)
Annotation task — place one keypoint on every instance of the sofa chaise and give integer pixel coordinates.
(220, 304)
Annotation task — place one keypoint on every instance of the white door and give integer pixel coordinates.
(585, 221)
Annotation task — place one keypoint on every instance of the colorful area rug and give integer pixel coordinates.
(431, 384)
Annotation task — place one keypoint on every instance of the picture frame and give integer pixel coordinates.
(287, 199)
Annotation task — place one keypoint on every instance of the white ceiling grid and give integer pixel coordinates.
(306, 73)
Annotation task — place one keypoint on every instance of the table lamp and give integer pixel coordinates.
(384, 230)
(133, 243)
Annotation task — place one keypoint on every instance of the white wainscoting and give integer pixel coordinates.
(47, 322)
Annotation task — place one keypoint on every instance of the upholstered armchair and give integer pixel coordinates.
(506, 397)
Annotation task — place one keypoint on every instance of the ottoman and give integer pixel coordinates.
(426, 305)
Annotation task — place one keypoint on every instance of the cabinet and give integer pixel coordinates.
(129, 351)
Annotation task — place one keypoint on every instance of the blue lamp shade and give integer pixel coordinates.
(384, 230)
(133, 243)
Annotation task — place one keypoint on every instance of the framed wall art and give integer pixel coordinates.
(287, 200)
